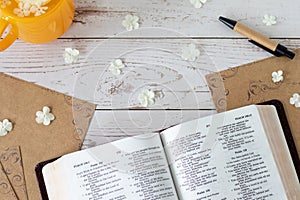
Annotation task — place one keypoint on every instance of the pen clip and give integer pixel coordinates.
(265, 48)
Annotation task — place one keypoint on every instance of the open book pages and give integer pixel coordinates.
(239, 154)
(132, 168)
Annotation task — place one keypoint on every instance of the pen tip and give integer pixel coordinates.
(229, 22)
(221, 18)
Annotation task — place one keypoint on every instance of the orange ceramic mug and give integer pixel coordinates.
(34, 21)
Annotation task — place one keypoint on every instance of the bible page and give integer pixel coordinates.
(132, 168)
(224, 156)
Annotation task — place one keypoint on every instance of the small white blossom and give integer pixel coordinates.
(116, 67)
(131, 22)
(269, 20)
(159, 94)
(44, 117)
(71, 55)
(4, 3)
(295, 100)
(190, 52)
(277, 76)
(36, 2)
(23, 9)
(198, 3)
(5, 127)
(38, 9)
(146, 98)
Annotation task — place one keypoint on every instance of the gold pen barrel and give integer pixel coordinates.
(257, 37)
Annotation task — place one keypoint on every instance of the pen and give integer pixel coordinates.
(258, 39)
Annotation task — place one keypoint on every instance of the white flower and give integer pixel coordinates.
(38, 9)
(269, 20)
(277, 76)
(198, 3)
(5, 127)
(131, 22)
(295, 100)
(44, 116)
(36, 2)
(146, 98)
(116, 66)
(4, 3)
(71, 55)
(190, 52)
(23, 9)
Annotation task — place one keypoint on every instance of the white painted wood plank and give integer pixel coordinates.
(151, 63)
(107, 126)
(103, 18)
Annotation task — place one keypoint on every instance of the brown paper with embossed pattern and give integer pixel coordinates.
(6, 190)
(20, 100)
(11, 161)
(252, 83)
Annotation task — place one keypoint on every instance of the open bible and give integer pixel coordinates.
(238, 154)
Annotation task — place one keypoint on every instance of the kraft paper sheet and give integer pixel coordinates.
(19, 102)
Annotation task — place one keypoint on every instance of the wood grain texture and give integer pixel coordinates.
(150, 63)
(95, 18)
(110, 125)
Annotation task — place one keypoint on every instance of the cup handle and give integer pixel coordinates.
(11, 36)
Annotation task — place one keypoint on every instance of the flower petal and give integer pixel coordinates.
(151, 102)
(280, 72)
(39, 114)
(297, 104)
(135, 19)
(39, 120)
(115, 71)
(129, 28)
(143, 100)
(3, 132)
(128, 17)
(68, 59)
(75, 52)
(5, 122)
(150, 94)
(296, 96)
(50, 116)
(118, 62)
(136, 25)
(275, 80)
(46, 121)
(46, 109)
(125, 23)
(8, 126)
(197, 3)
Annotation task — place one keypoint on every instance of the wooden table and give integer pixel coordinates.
(152, 56)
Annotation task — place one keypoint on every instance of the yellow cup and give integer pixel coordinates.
(35, 29)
